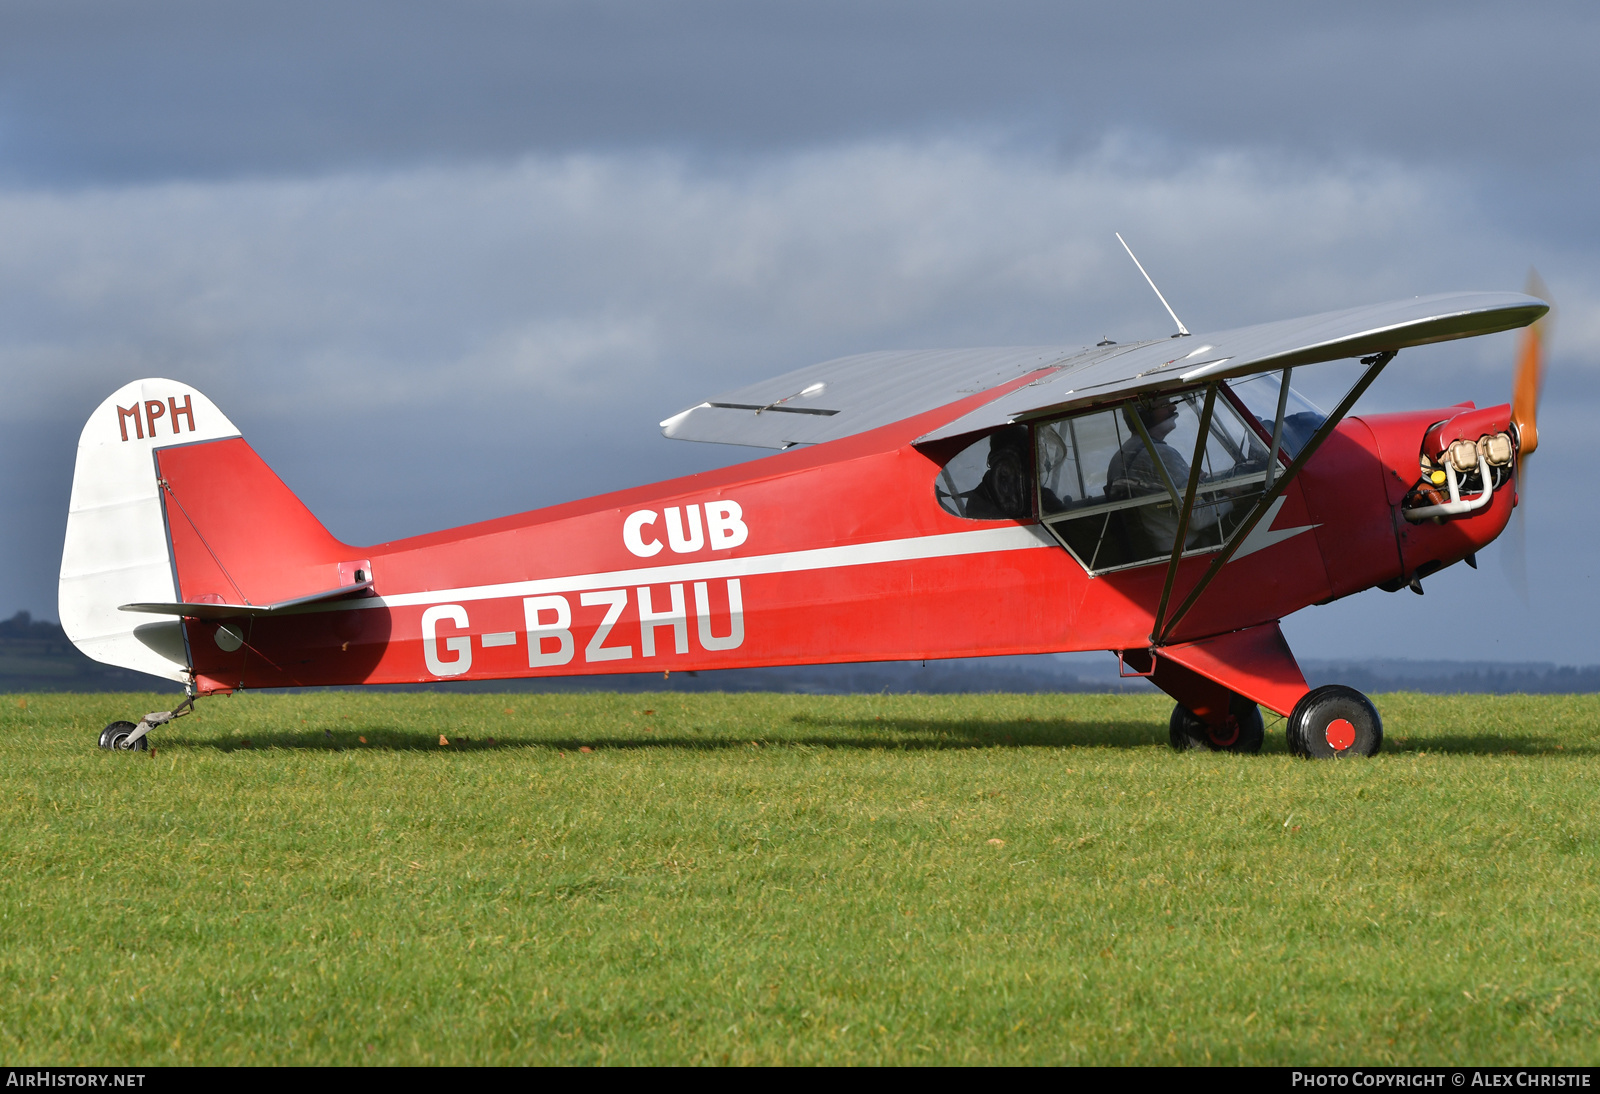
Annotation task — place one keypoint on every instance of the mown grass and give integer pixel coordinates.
(776, 878)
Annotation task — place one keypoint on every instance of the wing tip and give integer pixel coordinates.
(669, 427)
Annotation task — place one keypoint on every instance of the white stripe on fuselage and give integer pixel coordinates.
(1263, 535)
(1011, 537)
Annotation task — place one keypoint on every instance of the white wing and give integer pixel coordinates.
(853, 394)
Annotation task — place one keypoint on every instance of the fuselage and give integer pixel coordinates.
(837, 552)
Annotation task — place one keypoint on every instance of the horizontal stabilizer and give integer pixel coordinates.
(245, 611)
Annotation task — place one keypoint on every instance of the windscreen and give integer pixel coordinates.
(1301, 417)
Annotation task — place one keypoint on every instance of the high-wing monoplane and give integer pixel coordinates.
(1168, 500)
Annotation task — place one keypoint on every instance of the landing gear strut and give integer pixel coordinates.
(131, 737)
(1333, 722)
(1241, 732)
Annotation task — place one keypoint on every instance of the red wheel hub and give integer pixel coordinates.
(1341, 734)
(1226, 734)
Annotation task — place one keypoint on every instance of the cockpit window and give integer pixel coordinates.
(989, 479)
(1114, 503)
(1301, 417)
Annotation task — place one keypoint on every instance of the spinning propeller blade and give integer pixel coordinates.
(1525, 390)
(1530, 373)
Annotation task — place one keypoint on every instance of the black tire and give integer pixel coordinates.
(1334, 722)
(115, 737)
(1243, 731)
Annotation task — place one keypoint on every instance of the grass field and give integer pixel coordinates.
(778, 878)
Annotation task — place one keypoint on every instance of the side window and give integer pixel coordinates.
(1074, 456)
(1113, 500)
(989, 479)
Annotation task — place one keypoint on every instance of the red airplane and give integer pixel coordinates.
(1169, 500)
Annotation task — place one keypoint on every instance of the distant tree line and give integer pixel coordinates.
(37, 655)
(24, 626)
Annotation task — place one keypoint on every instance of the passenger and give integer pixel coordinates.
(1003, 493)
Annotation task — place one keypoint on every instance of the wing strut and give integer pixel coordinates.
(1374, 364)
(1277, 428)
(1161, 468)
(1187, 508)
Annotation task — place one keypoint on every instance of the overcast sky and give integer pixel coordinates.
(445, 262)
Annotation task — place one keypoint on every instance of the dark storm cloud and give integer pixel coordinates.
(98, 91)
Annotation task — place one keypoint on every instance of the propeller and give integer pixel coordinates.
(1529, 379)
(1525, 389)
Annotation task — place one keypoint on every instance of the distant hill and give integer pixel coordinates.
(1456, 677)
(35, 655)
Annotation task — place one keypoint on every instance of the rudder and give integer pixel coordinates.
(169, 504)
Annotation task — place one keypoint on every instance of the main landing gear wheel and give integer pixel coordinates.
(115, 737)
(1332, 722)
(1242, 732)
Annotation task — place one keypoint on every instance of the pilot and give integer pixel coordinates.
(1003, 493)
(1132, 474)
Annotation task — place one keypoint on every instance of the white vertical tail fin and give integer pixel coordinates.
(117, 549)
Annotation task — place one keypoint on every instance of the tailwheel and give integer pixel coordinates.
(1241, 732)
(1332, 722)
(115, 737)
